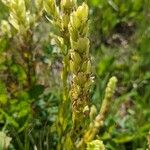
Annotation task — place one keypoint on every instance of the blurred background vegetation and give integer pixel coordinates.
(30, 84)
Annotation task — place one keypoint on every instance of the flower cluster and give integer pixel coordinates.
(19, 17)
(80, 66)
(95, 145)
(51, 8)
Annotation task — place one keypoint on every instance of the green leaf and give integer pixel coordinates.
(3, 99)
(124, 138)
(10, 119)
(36, 91)
(3, 44)
(2, 88)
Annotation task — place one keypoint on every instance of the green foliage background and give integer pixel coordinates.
(120, 46)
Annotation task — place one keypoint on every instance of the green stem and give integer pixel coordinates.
(64, 78)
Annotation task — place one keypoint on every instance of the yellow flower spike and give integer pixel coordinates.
(78, 28)
(98, 122)
(108, 94)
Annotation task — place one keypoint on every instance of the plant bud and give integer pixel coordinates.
(83, 45)
(82, 13)
(14, 23)
(75, 94)
(76, 58)
(85, 30)
(73, 67)
(39, 4)
(75, 21)
(87, 85)
(73, 33)
(65, 21)
(112, 82)
(74, 44)
(5, 28)
(6, 2)
(51, 8)
(67, 4)
(84, 66)
(89, 67)
(59, 40)
(86, 110)
(110, 87)
(95, 144)
(81, 79)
